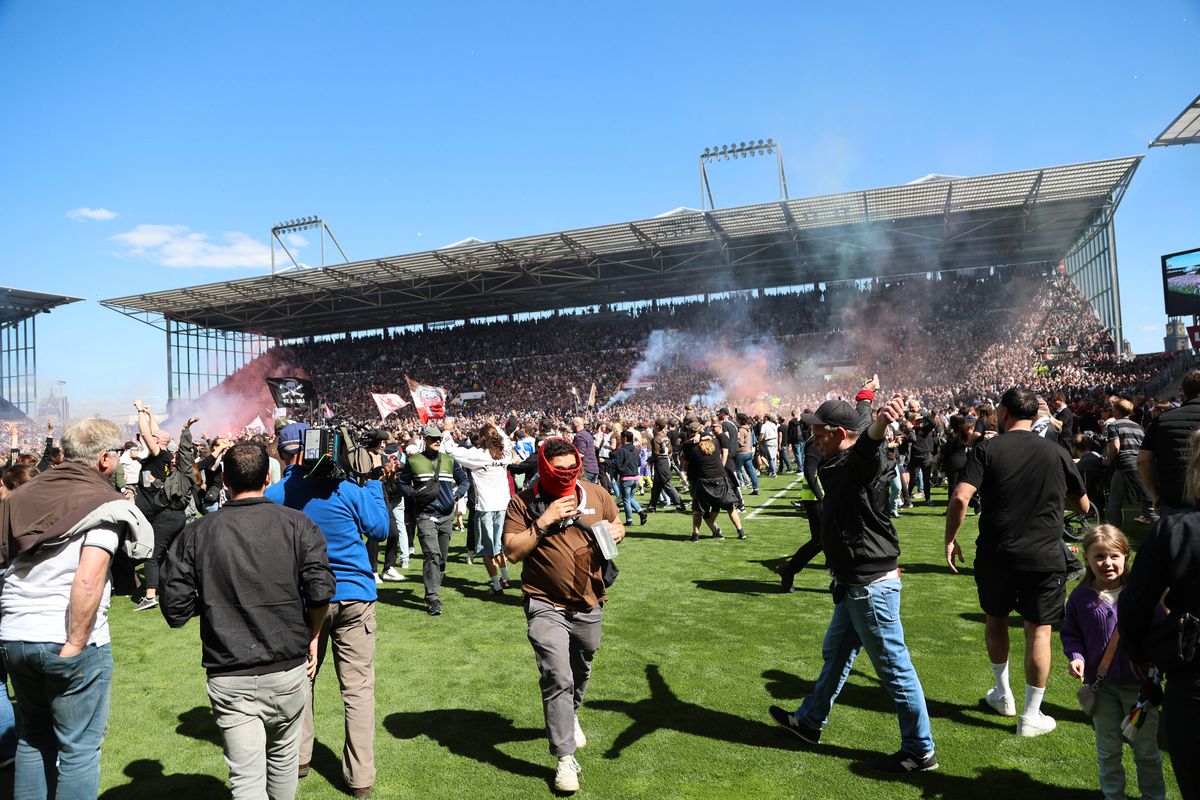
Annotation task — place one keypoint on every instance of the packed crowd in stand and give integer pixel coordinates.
(961, 339)
(1003, 387)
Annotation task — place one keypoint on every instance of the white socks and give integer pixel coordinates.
(1033, 701)
(504, 571)
(1001, 673)
(496, 582)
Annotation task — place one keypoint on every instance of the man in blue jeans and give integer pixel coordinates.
(64, 526)
(866, 586)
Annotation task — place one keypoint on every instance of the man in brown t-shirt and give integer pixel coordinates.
(563, 584)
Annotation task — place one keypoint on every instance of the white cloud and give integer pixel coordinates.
(178, 246)
(296, 240)
(94, 214)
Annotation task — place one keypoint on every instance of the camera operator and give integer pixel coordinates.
(345, 512)
(564, 588)
(377, 466)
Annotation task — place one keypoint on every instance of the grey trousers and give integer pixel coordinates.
(260, 719)
(434, 534)
(563, 645)
(351, 626)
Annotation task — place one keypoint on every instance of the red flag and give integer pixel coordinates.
(388, 403)
(430, 401)
(327, 411)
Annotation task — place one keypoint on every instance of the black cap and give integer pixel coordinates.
(835, 414)
(724, 411)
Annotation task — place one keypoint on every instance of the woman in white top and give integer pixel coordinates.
(488, 465)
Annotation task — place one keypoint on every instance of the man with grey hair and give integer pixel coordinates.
(57, 538)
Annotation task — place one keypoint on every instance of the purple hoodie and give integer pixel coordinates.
(1086, 629)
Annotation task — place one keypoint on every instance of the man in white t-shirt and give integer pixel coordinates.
(57, 539)
(769, 434)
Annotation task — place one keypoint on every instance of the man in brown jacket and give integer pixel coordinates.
(548, 526)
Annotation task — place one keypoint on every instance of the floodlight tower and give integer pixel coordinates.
(727, 152)
(295, 226)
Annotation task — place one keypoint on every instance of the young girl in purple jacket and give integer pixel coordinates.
(1090, 623)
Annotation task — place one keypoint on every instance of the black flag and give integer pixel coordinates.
(293, 392)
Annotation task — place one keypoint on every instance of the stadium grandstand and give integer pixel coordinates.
(606, 288)
(18, 348)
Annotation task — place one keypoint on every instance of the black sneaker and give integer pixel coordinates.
(787, 720)
(798, 504)
(694, 538)
(435, 608)
(643, 517)
(741, 534)
(901, 761)
(754, 492)
(787, 580)
(717, 534)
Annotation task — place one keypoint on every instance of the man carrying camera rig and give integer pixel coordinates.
(345, 512)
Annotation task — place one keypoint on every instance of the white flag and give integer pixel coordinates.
(388, 403)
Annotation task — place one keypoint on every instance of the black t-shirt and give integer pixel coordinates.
(1023, 480)
(151, 497)
(724, 442)
(792, 432)
(701, 465)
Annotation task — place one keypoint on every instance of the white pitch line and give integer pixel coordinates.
(774, 497)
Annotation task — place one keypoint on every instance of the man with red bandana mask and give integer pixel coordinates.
(548, 527)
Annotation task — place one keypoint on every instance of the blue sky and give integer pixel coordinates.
(197, 126)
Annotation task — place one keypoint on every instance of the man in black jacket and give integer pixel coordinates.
(861, 549)
(251, 568)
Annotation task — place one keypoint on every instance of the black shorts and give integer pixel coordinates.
(1039, 597)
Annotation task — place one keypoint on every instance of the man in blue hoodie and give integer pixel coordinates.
(345, 512)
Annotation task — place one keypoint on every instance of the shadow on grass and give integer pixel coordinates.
(642, 533)
(1014, 621)
(786, 686)
(663, 710)
(988, 784)
(748, 587)
(198, 723)
(478, 591)
(472, 734)
(147, 780)
(406, 597)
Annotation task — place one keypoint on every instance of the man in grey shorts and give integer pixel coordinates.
(258, 683)
(563, 608)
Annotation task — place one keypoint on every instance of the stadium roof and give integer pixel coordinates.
(1184, 130)
(1031, 216)
(19, 304)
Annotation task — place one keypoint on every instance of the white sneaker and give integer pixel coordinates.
(566, 775)
(580, 739)
(390, 574)
(378, 580)
(1002, 704)
(1035, 726)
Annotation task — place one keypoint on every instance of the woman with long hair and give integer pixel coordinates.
(713, 491)
(488, 465)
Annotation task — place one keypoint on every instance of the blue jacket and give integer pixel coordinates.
(345, 512)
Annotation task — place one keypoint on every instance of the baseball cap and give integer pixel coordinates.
(431, 432)
(724, 411)
(695, 426)
(834, 413)
(291, 437)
